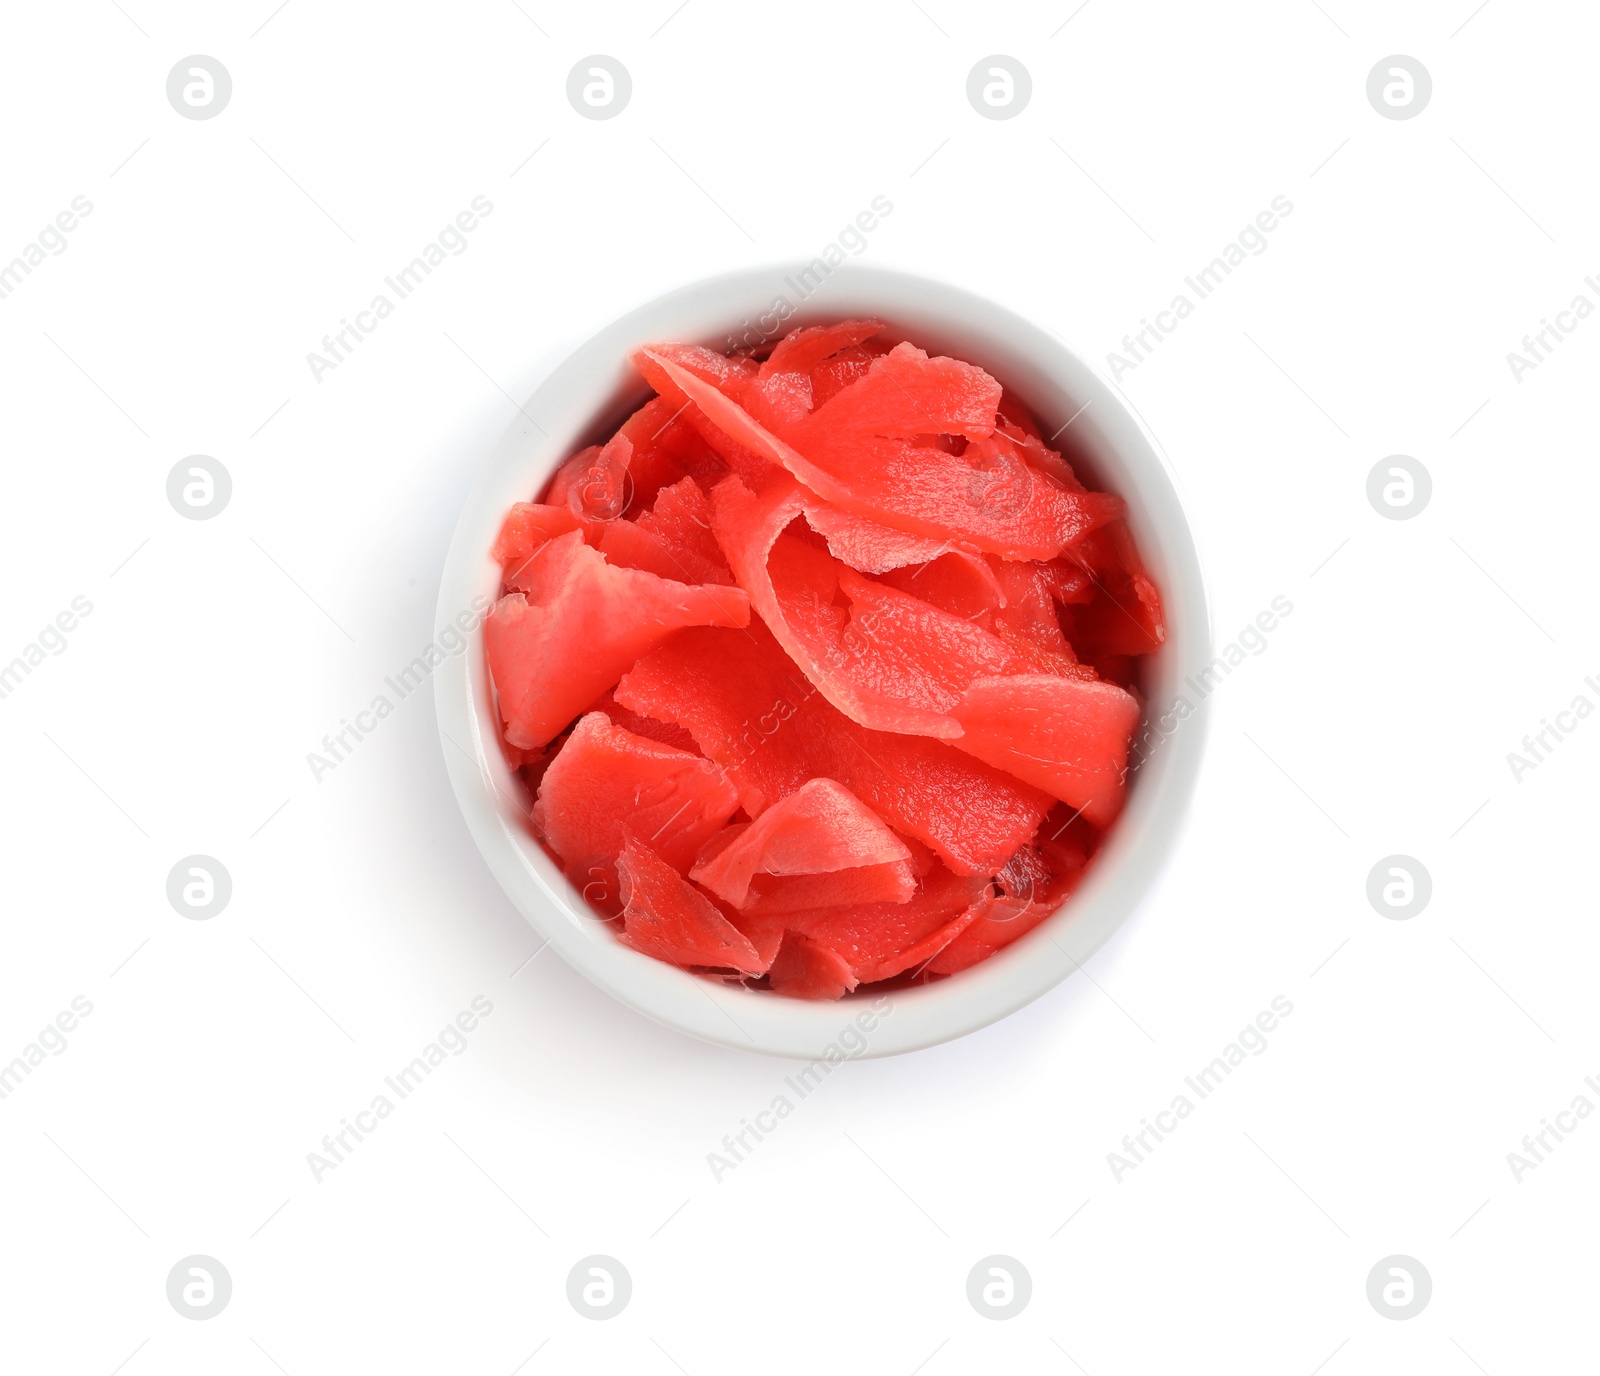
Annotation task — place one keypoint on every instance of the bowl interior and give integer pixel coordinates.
(582, 402)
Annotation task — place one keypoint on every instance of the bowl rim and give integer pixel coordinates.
(593, 382)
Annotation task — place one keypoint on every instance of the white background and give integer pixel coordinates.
(218, 253)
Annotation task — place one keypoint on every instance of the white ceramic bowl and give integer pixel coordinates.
(582, 401)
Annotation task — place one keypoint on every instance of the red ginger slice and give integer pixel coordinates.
(730, 374)
(802, 969)
(686, 376)
(1068, 736)
(833, 375)
(1014, 441)
(668, 733)
(629, 545)
(858, 451)
(869, 546)
(819, 829)
(801, 350)
(654, 448)
(1124, 615)
(1048, 867)
(1013, 413)
(666, 448)
(1055, 862)
(780, 395)
(913, 650)
(657, 548)
(752, 711)
(668, 918)
(608, 784)
(567, 477)
(1025, 873)
(953, 582)
(680, 516)
(995, 922)
(1030, 609)
(887, 883)
(527, 528)
(880, 940)
(1061, 661)
(906, 393)
(893, 663)
(896, 663)
(595, 483)
(763, 932)
(871, 443)
(779, 402)
(579, 625)
(1067, 583)
(1014, 600)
